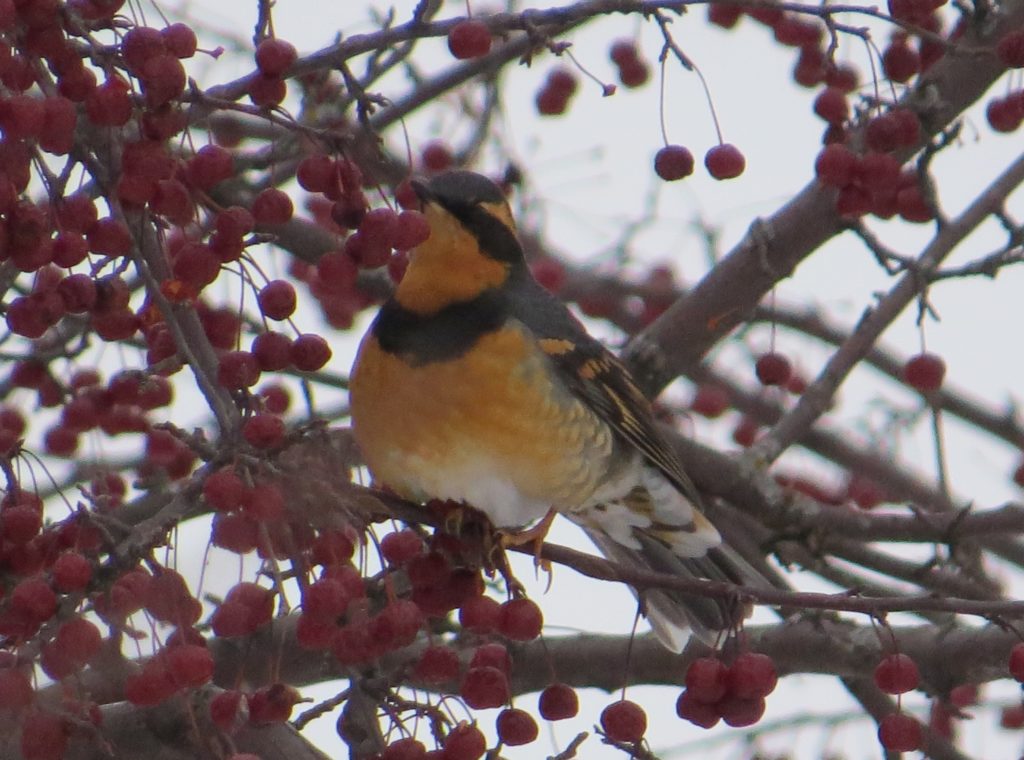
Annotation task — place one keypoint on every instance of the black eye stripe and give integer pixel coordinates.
(495, 238)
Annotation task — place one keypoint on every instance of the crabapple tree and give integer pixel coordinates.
(195, 224)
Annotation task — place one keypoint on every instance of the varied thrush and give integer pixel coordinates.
(475, 384)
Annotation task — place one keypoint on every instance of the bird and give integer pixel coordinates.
(475, 384)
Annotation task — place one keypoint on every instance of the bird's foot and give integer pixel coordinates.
(535, 535)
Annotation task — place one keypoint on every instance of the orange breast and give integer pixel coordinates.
(490, 428)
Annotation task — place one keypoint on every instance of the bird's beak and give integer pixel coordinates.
(422, 190)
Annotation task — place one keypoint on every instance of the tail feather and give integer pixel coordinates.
(674, 615)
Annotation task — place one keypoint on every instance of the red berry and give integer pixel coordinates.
(317, 173)
(275, 398)
(180, 40)
(190, 665)
(739, 712)
(404, 749)
(237, 370)
(484, 687)
(71, 572)
(397, 624)
(964, 695)
(711, 401)
(673, 162)
(900, 61)
(437, 665)
(224, 489)
(275, 56)
(1018, 475)
(899, 732)
(436, 156)
(272, 206)
(702, 714)
(225, 710)
(234, 223)
(272, 704)
(724, 15)
(168, 599)
(746, 430)
(558, 702)
(34, 599)
(832, 106)
(314, 633)
(277, 299)
(725, 161)
(109, 105)
(897, 674)
(624, 721)
(907, 126)
(469, 38)
(79, 640)
(411, 229)
(550, 102)
(843, 77)
(480, 614)
(853, 201)
(19, 524)
(773, 369)
(1017, 662)
(234, 532)
(210, 165)
(634, 73)
(752, 676)
(1010, 49)
(263, 431)
(562, 81)
(464, 742)
(378, 227)
(44, 736)
(1005, 114)
(516, 727)
(141, 44)
(109, 237)
(492, 656)
(924, 372)
(521, 620)
(15, 689)
(326, 599)
(267, 91)
(264, 502)
(622, 52)
(879, 171)
(706, 680)
(836, 165)
(309, 352)
(399, 547)
(884, 133)
(1011, 717)
(272, 351)
(57, 132)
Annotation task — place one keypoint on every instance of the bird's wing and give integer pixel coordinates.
(595, 376)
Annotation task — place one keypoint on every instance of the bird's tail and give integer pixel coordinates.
(674, 615)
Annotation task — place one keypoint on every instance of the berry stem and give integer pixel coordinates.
(688, 64)
(661, 98)
(606, 89)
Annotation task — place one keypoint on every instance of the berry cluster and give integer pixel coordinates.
(633, 70)
(373, 238)
(559, 87)
(273, 59)
(898, 674)
(734, 693)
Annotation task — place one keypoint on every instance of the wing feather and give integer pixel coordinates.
(594, 375)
